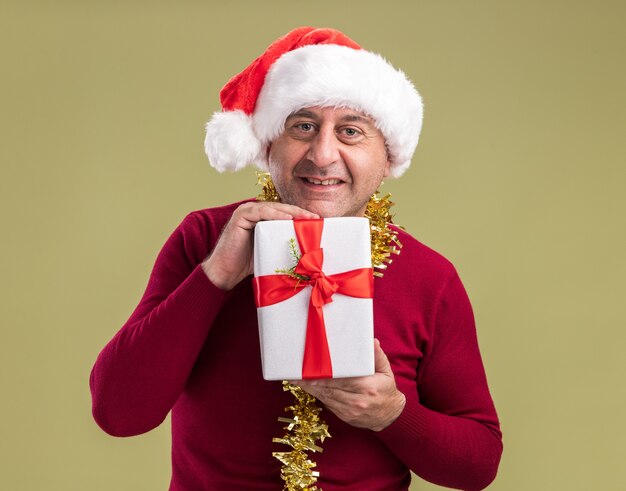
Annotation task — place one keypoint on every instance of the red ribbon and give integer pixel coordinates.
(272, 289)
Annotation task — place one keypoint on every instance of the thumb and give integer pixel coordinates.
(381, 362)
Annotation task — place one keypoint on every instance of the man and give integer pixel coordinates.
(330, 121)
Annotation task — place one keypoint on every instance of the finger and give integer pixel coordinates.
(331, 396)
(335, 383)
(325, 387)
(297, 212)
(313, 387)
(381, 362)
(250, 214)
(248, 217)
(293, 210)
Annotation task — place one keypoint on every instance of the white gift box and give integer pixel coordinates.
(349, 321)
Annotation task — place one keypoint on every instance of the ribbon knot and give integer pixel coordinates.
(310, 265)
(271, 289)
(323, 290)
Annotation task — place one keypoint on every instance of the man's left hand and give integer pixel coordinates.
(372, 402)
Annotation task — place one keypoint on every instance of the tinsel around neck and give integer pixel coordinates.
(304, 429)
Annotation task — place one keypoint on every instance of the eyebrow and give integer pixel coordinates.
(357, 117)
(304, 113)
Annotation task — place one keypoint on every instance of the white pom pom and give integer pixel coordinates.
(230, 142)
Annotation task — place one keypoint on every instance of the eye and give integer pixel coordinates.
(350, 134)
(302, 130)
(306, 127)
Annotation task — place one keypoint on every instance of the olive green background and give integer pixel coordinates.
(518, 179)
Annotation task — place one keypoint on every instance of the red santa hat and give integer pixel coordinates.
(311, 67)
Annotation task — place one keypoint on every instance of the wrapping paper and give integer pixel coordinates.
(347, 321)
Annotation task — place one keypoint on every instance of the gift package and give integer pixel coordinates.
(313, 287)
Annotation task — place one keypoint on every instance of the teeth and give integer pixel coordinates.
(327, 182)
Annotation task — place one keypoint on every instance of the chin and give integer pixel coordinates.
(322, 210)
(332, 211)
(328, 208)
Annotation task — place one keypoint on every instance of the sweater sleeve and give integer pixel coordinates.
(448, 432)
(141, 372)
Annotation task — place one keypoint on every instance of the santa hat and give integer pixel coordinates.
(311, 67)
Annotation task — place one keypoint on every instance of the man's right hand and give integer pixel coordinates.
(231, 260)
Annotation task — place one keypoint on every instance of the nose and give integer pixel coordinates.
(324, 149)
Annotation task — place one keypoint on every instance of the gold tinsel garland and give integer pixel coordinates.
(384, 240)
(268, 190)
(305, 427)
(302, 432)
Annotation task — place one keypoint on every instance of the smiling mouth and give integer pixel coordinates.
(326, 182)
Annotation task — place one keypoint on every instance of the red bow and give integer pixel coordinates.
(272, 289)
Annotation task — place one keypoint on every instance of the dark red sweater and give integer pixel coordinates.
(193, 349)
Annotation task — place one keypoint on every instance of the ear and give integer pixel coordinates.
(387, 169)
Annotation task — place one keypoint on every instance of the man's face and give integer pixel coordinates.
(328, 161)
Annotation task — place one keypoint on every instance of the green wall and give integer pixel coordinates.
(519, 180)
